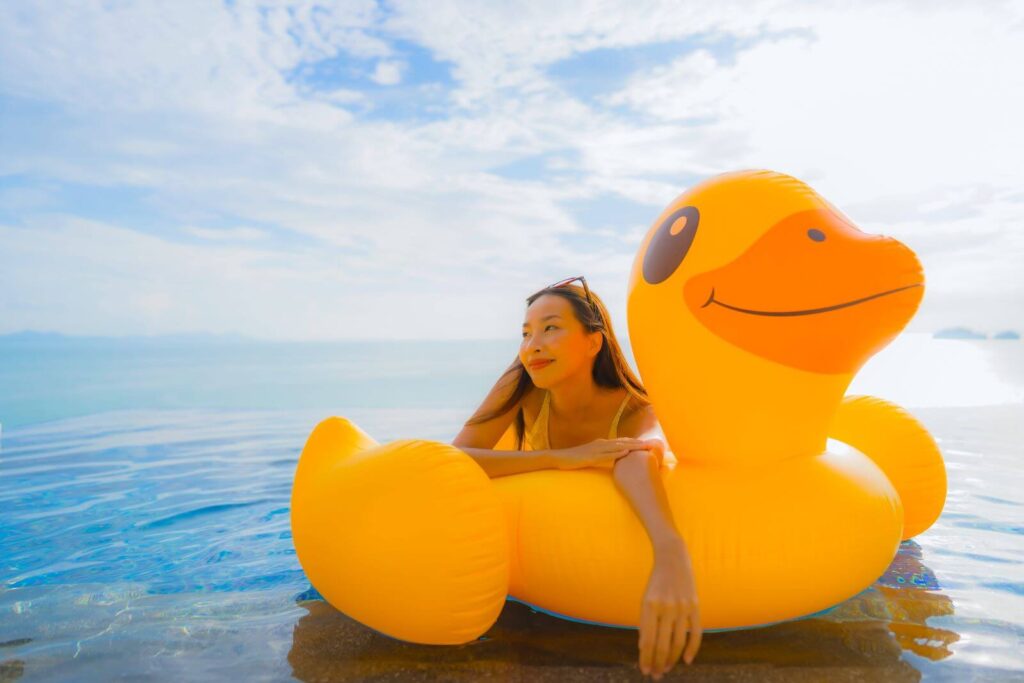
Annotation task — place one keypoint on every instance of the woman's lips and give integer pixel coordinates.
(539, 365)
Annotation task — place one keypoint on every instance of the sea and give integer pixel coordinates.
(144, 520)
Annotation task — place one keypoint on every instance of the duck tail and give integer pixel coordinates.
(902, 448)
(332, 440)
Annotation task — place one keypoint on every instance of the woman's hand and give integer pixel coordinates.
(669, 610)
(598, 453)
(656, 446)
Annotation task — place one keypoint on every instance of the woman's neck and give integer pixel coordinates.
(575, 397)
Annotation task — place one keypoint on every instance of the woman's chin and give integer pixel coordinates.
(542, 377)
(540, 381)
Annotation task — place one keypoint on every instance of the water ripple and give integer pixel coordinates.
(193, 513)
(162, 507)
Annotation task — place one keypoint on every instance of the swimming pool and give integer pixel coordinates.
(156, 544)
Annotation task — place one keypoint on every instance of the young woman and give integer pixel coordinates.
(574, 402)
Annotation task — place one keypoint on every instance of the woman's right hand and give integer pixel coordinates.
(598, 453)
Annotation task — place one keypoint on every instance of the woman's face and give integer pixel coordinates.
(551, 332)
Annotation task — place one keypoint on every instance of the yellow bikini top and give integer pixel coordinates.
(537, 436)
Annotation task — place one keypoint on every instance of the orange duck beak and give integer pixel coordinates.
(814, 293)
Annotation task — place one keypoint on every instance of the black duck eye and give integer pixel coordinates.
(816, 235)
(670, 243)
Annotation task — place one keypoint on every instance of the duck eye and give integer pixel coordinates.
(816, 235)
(670, 243)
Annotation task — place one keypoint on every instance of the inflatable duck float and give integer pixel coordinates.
(752, 303)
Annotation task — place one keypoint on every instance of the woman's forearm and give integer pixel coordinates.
(501, 463)
(636, 475)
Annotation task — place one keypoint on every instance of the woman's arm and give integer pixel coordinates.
(669, 610)
(501, 463)
(478, 440)
(636, 475)
(669, 614)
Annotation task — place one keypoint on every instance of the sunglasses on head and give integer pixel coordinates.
(586, 290)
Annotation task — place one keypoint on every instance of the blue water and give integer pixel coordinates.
(44, 378)
(144, 492)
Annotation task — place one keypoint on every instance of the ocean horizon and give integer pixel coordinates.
(45, 376)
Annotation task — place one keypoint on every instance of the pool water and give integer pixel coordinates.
(157, 545)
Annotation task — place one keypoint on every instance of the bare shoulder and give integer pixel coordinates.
(637, 420)
(642, 423)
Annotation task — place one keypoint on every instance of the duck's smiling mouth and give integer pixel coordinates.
(810, 311)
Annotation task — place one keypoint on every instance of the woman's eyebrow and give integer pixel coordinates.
(545, 318)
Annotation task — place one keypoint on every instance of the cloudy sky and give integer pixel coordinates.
(298, 170)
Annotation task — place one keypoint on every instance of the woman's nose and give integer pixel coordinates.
(531, 347)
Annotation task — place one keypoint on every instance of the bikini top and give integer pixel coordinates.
(537, 436)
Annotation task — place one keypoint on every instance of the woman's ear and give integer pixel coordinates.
(596, 340)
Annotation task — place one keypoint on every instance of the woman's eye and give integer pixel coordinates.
(545, 329)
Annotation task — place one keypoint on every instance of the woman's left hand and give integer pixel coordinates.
(658, 448)
(669, 610)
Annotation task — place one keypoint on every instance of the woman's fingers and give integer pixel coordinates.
(663, 642)
(679, 630)
(663, 638)
(696, 631)
(648, 629)
(628, 445)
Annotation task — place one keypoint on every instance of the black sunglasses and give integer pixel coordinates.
(586, 290)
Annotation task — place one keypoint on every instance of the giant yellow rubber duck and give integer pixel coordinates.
(752, 303)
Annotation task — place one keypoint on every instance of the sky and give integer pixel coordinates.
(415, 170)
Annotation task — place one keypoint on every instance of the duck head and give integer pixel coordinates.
(751, 281)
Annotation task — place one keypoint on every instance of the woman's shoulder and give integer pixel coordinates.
(637, 417)
(630, 403)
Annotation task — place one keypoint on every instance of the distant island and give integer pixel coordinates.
(958, 333)
(967, 333)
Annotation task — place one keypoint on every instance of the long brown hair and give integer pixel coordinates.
(610, 370)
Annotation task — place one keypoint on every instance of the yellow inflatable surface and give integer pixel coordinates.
(751, 305)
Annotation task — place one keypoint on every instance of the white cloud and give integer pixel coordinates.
(505, 45)
(902, 115)
(388, 72)
(341, 96)
(241, 233)
(882, 99)
(183, 56)
(95, 278)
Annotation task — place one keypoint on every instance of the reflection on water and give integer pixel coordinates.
(156, 545)
(908, 593)
(865, 638)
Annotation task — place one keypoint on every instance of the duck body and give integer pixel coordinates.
(758, 556)
(752, 303)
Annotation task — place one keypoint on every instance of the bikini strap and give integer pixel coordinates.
(614, 431)
(541, 414)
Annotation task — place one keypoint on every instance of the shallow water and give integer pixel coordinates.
(156, 545)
